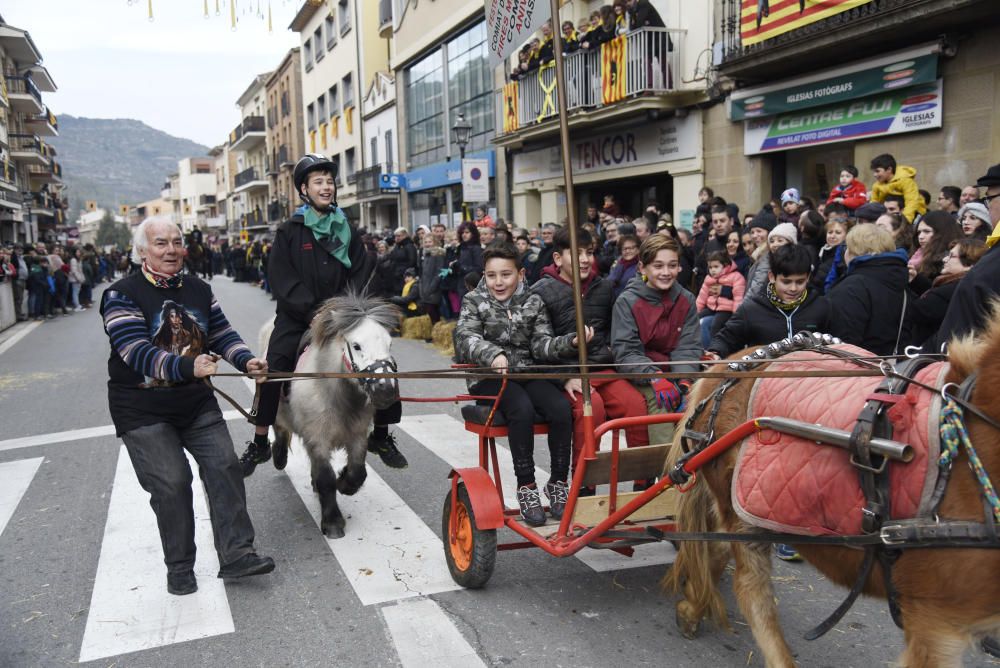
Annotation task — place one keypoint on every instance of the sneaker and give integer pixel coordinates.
(556, 492)
(387, 450)
(253, 455)
(247, 565)
(531, 505)
(280, 453)
(181, 584)
(786, 552)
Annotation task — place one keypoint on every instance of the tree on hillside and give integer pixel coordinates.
(111, 233)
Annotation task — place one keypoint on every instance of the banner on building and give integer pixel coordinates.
(475, 180)
(763, 19)
(322, 135)
(908, 110)
(312, 141)
(510, 121)
(91, 205)
(613, 58)
(349, 120)
(123, 209)
(510, 23)
(335, 126)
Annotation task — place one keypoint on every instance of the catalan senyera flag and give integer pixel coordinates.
(764, 19)
(510, 123)
(613, 58)
(322, 135)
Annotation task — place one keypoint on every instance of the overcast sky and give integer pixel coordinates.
(180, 73)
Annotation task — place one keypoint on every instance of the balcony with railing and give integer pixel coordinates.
(205, 203)
(24, 95)
(753, 54)
(249, 134)
(249, 179)
(385, 19)
(649, 70)
(254, 219)
(276, 212)
(29, 149)
(45, 124)
(369, 181)
(8, 175)
(51, 173)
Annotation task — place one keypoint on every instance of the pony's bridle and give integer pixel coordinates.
(386, 365)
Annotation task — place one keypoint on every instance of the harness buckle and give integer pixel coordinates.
(871, 469)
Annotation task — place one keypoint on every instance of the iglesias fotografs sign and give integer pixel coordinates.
(907, 110)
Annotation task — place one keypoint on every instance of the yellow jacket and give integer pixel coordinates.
(903, 184)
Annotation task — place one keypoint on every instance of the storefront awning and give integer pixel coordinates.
(861, 79)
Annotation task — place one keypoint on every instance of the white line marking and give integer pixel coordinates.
(130, 609)
(447, 438)
(77, 435)
(425, 636)
(388, 553)
(17, 336)
(16, 477)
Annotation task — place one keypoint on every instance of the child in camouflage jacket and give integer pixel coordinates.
(503, 326)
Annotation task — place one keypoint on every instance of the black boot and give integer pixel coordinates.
(256, 453)
(385, 447)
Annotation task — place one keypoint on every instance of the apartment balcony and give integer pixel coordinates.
(23, 95)
(43, 204)
(249, 134)
(253, 221)
(651, 80)
(875, 27)
(51, 173)
(205, 203)
(29, 150)
(369, 183)
(277, 213)
(385, 19)
(8, 176)
(44, 125)
(284, 158)
(249, 180)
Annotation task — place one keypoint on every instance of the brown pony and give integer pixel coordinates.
(942, 614)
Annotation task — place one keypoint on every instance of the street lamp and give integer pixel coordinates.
(26, 199)
(463, 131)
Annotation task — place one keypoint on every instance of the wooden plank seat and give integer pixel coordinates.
(643, 463)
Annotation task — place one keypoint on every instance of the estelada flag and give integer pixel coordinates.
(510, 122)
(613, 55)
(763, 19)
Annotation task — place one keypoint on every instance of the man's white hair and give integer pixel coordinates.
(140, 236)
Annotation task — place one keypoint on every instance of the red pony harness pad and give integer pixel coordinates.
(788, 484)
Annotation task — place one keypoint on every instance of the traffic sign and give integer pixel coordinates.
(475, 180)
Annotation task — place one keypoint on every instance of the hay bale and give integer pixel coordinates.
(417, 327)
(442, 336)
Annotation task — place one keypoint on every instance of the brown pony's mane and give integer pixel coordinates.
(966, 353)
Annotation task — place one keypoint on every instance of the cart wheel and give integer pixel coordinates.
(473, 555)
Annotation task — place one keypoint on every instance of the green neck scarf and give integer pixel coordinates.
(332, 225)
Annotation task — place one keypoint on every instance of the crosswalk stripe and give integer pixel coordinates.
(130, 609)
(425, 636)
(388, 553)
(11, 340)
(16, 476)
(447, 438)
(78, 435)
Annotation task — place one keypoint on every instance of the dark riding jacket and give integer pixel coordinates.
(303, 273)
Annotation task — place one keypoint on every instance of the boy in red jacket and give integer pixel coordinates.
(851, 192)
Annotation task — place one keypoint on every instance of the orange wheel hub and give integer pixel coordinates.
(461, 546)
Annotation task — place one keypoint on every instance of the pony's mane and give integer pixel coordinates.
(339, 315)
(966, 353)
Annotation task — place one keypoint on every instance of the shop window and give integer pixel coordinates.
(425, 140)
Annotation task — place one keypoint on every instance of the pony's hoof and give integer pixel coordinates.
(688, 628)
(333, 531)
(348, 484)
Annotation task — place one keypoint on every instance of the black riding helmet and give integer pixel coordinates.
(314, 162)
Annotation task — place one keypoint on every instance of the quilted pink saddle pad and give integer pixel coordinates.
(784, 483)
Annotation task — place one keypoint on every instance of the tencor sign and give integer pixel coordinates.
(509, 24)
(907, 110)
(674, 139)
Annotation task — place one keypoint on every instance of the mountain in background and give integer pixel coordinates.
(116, 160)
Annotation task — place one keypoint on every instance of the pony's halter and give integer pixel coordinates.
(369, 384)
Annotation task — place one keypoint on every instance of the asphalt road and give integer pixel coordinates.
(82, 579)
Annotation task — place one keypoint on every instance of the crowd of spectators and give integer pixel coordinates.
(49, 280)
(604, 24)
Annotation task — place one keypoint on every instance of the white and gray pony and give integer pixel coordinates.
(348, 334)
